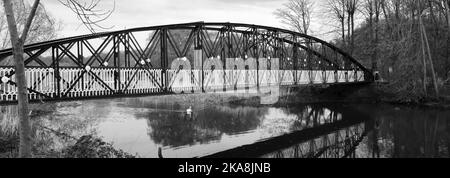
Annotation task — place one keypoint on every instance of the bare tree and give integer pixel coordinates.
(44, 28)
(369, 11)
(352, 7)
(425, 42)
(372, 10)
(408, 39)
(377, 9)
(446, 4)
(338, 10)
(296, 14)
(87, 13)
(424, 56)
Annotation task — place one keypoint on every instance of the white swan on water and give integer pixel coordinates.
(189, 110)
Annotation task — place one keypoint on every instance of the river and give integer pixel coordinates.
(143, 125)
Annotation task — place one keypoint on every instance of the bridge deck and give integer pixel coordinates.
(75, 83)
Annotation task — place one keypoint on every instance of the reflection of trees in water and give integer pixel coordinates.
(408, 132)
(304, 116)
(9, 116)
(172, 129)
(8, 120)
(71, 121)
(9, 124)
(338, 143)
(313, 115)
(169, 127)
(422, 135)
(230, 120)
(402, 132)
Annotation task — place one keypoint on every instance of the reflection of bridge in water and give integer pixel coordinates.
(339, 144)
(322, 133)
(193, 57)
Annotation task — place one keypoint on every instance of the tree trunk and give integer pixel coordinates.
(386, 16)
(349, 34)
(343, 25)
(343, 33)
(433, 18)
(433, 73)
(448, 38)
(377, 19)
(22, 92)
(371, 36)
(353, 32)
(424, 62)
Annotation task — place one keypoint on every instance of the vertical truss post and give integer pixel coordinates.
(80, 59)
(231, 53)
(224, 43)
(276, 47)
(256, 55)
(200, 46)
(295, 58)
(230, 43)
(324, 55)
(245, 44)
(198, 55)
(336, 68)
(346, 66)
(309, 59)
(127, 49)
(55, 56)
(164, 59)
(276, 55)
(117, 72)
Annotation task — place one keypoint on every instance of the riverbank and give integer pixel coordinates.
(386, 95)
(369, 94)
(429, 103)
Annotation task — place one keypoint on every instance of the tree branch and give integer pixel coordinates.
(30, 18)
(88, 14)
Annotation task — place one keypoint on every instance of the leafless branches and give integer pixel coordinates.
(30, 18)
(296, 14)
(89, 13)
(336, 8)
(43, 28)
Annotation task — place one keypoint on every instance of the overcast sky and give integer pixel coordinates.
(140, 13)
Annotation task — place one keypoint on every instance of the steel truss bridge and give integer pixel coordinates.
(191, 57)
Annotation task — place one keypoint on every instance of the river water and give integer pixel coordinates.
(142, 126)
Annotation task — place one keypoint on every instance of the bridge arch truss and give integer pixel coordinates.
(120, 63)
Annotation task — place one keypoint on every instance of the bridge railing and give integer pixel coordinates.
(46, 83)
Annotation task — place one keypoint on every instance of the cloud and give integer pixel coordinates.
(138, 13)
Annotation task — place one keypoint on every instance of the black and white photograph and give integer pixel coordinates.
(233, 79)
